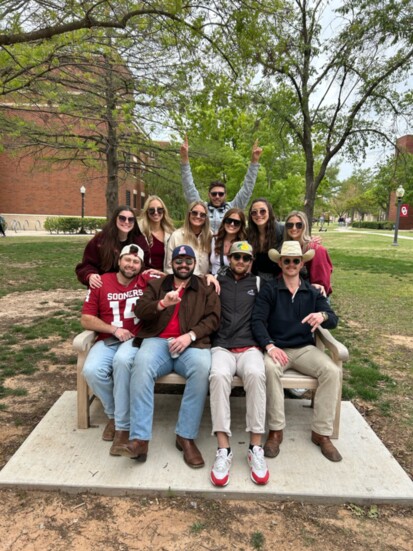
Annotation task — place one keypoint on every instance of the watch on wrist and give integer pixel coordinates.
(192, 335)
(325, 316)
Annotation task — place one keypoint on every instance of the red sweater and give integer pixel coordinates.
(92, 261)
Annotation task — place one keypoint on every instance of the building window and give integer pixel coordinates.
(135, 199)
(128, 197)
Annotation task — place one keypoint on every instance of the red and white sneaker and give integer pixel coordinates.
(221, 467)
(259, 470)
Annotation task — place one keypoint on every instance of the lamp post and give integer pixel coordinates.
(399, 195)
(82, 193)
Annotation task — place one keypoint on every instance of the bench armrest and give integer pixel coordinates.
(337, 349)
(84, 341)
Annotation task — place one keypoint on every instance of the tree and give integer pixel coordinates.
(341, 67)
(27, 21)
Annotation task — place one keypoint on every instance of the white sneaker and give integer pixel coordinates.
(259, 470)
(221, 467)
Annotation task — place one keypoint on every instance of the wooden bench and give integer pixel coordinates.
(290, 379)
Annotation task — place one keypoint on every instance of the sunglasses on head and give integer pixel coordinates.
(217, 193)
(260, 212)
(153, 210)
(232, 222)
(187, 261)
(290, 225)
(243, 257)
(197, 214)
(288, 261)
(130, 219)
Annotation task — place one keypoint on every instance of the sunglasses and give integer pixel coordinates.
(287, 261)
(244, 257)
(217, 193)
(232, 222)
(153, 210)
(197, 214)
(261, 212)
(187, 261)
(130, 219)
(290, 225)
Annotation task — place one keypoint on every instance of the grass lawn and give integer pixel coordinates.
(373, 296)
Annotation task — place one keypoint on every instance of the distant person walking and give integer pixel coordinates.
(2, 225)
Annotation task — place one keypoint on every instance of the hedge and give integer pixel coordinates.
(374, 225)
(57, 224)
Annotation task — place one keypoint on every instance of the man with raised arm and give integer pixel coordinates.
(286, 314)
(217, 193)
(178, 313)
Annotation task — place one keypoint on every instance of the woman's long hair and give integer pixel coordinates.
(110, 244)
(253, 235)
(203, 242)
(241, 235)
(305, 238)
(167, 224)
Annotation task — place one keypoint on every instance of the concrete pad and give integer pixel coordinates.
(58, 456)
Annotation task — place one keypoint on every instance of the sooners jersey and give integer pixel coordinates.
(114, 303)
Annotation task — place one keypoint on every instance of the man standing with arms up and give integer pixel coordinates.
(217, 193)
(286, 314)
(236, 352)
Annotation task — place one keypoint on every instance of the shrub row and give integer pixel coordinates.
(60, 224)
(374, 225)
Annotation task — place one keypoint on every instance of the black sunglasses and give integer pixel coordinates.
(217, 193)
(288, 261)
(130, 219)
(187, 261)
(232, 222)
(290, 225)
(197, 214)
(260, 212)
(153, 210)
(244, 257)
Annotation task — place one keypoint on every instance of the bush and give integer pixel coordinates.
(374, 225)
(66, 224)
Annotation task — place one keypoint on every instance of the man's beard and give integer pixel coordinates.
(185, 276)
(127, 276)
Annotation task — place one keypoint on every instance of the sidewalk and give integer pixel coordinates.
(58, 456)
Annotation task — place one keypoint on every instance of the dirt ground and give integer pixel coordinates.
(39, 521)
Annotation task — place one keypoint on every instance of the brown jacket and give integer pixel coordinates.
(199, 311)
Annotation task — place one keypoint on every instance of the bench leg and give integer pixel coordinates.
(83, 416)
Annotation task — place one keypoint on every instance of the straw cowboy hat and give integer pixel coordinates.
(291, 248)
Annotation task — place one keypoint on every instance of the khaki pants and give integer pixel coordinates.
(248, 365)
(308, 360)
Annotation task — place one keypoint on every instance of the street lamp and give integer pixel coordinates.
(82, 193)
(399, 195)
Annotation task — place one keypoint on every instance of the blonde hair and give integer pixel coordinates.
(203, 242)
(305, 238)
(167, 224)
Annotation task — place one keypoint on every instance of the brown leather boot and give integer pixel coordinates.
(272, 445)
(326, 446)
(121, 438)
(109, 431)
(192, 456)
(135, 449)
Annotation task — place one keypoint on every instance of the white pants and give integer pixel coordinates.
(248, 365)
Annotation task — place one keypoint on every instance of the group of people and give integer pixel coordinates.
(215, 298)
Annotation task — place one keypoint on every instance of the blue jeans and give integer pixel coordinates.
(107, 371)
(152, 361)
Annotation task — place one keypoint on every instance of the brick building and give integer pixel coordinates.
(32, 189)
(405, 143)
